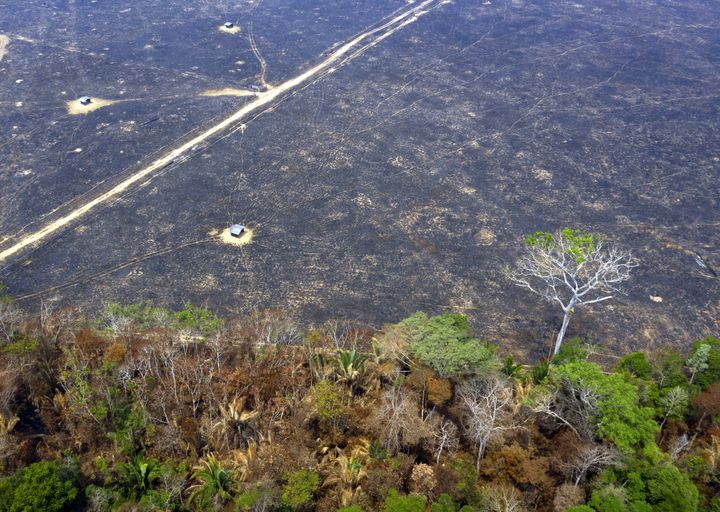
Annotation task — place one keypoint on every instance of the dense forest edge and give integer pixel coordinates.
(143, 408)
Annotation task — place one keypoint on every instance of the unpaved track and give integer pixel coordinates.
(399, 21)
(4, 42)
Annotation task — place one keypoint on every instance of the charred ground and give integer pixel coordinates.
(404, 180)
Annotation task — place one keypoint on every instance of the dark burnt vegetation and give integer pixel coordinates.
(149, 409)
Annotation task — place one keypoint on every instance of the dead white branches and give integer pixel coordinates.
(589, 459)
(571, 268)
(488, 407)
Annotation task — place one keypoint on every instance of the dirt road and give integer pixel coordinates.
(341, 55)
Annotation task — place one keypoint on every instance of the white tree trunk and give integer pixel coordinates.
(566, 320)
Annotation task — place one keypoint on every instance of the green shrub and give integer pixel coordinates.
(325, 400)
(445, 343)
(444, 503)
(22, 346)
(251, 498)
(4, 295)
(540, 371)
(398, 503)
(42, 486)
(571, 351)
(636, 364)
(351, 508)
(198, 319)
(299, 491)
(141, 314)
(714, 505)
(139, 475)
(510, 368)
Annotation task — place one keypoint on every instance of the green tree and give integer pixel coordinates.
(198, 319)
(670, 490)
(445, 343)
(398, 503)
(649, 483)
(668, 369)
(698, 361)
(706, 371)
(43, 486)
(675, 404)
(620, 417)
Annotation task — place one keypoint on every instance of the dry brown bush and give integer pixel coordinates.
(513, 463)
(566, 496)
(423, 481)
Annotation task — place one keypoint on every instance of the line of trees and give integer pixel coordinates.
(149, 409)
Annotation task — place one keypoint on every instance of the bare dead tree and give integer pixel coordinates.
(341, 334)
(488, 407)
(571, 268)
(571, 405)
(399, 420)
(504, 498)
(444, 436)
(679, 445)
(10, 317)
(589, 459)
(55, 322)
(274, 328)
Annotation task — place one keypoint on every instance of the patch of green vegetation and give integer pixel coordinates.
(704, 362)
(636, 364)
(299, 491)
(144, 315)
(326, 400)
(622, 420)
(446, 344)
(395, 502)
(22, 346)
(45, 486)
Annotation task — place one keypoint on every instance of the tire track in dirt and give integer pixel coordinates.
(265, 99)
(4, 42)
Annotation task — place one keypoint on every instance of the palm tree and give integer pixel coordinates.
(214, 483)
(234, 422)
(140, 474)
(351, 366)
(345, 473)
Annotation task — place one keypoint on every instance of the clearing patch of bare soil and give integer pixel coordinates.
(75, 108)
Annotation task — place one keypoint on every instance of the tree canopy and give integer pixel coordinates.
(446, 344)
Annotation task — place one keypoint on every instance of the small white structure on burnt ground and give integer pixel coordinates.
(85, 100)
(237, 230)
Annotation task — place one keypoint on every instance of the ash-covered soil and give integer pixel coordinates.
(404, 180)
